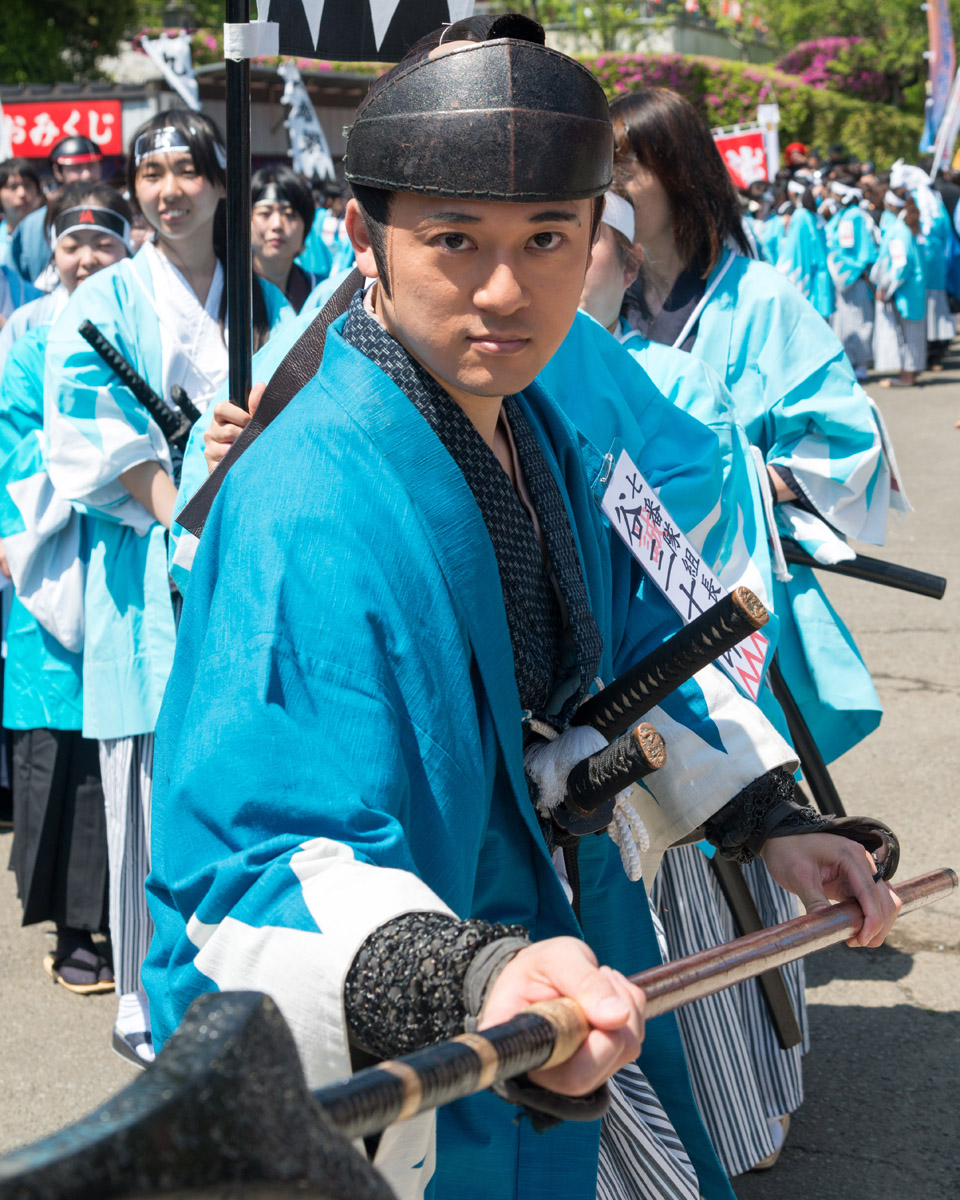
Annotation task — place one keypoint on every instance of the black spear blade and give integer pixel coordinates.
(224, 1111)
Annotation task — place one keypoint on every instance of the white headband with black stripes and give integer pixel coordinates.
(170, 140)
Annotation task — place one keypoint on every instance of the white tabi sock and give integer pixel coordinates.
(133, 1017)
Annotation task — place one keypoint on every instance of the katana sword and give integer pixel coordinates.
(711, 635)
(635, 750)
(175, 423)
(551, 1032)
(872, 570)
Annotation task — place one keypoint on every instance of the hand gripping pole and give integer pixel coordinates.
(549, 1033)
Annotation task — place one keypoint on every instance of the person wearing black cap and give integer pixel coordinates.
(399, 598)
(73, 159)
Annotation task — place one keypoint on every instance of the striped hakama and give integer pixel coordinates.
(741, 1078)
(898, 345)
(126, 765)
(641, 1157)
(941, 323)
(852, 322)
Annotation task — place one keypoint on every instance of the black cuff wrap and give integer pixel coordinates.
(405, 987)
(545, 1109)
(744, 823)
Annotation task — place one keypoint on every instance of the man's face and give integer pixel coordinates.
(87, 172)
(482, 293)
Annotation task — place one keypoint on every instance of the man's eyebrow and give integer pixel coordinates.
(453, 218)
(552, 215)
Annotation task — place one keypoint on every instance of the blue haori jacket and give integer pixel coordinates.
(340, 742)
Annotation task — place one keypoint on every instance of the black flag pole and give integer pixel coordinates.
(239, 278)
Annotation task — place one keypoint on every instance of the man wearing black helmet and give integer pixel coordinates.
(73, 159)
(403, 589)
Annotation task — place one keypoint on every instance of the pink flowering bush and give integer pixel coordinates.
(727, 93)
(846, 64)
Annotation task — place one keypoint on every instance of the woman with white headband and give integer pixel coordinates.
(803, 255)
(165, 312)
(59, 847)
(851, 251)
(900, 336)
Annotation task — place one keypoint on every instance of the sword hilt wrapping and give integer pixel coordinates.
(716, 631)
(544, 1035)
(623, 762)
(173, 423)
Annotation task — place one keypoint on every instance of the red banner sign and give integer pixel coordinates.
(34, 127)
(743, 154)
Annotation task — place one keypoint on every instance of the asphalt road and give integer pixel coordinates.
(881, 1120)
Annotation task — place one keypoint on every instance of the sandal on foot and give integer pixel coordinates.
(771, 1160)
(125, 1044)
(90, 972)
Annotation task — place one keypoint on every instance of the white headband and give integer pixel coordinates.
(784, 208)
(170, 140)
(796, 189)
(894, 200)
(846, 193)
(619, 214)
(86, 217)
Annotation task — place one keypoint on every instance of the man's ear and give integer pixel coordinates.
(360, 240)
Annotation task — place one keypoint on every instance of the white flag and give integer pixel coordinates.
(6, 147)
(172, 55)
(308, 143)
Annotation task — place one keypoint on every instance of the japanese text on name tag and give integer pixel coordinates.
(662, 549)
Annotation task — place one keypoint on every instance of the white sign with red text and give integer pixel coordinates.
(636, 512)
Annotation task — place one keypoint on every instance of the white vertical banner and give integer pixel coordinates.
(949, 128)
(171, 53)
(768, 118)
(308, 143)
(6, 146)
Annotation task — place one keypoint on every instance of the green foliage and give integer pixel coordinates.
(599, 20)
(52, 42)
(727, 93)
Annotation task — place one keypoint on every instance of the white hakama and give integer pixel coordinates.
(941, 323)
(852, 322)
(898, 345)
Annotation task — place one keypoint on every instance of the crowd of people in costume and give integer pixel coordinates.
(876, 253)
(310, 743)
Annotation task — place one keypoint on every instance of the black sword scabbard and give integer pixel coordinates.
(873, 570)
(173, 423)
(630, 697)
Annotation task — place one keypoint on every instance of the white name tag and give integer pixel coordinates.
(847, 235)
(898, 253)
(654, 539)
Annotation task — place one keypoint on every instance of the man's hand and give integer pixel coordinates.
(820, 867)
(614, 1008)
(228, 423)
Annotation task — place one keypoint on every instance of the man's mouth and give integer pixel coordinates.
(499, 343)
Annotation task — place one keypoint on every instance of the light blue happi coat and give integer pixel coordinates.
(851, 248)
(803, 259)
(95, 431)
(770, 234)
(800, 404)
(341, 742)
(42, 687)
(934, 242)
(898, 271)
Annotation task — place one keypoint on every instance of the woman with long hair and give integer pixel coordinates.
(165, 312)
(796, 396)
(59, 852)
